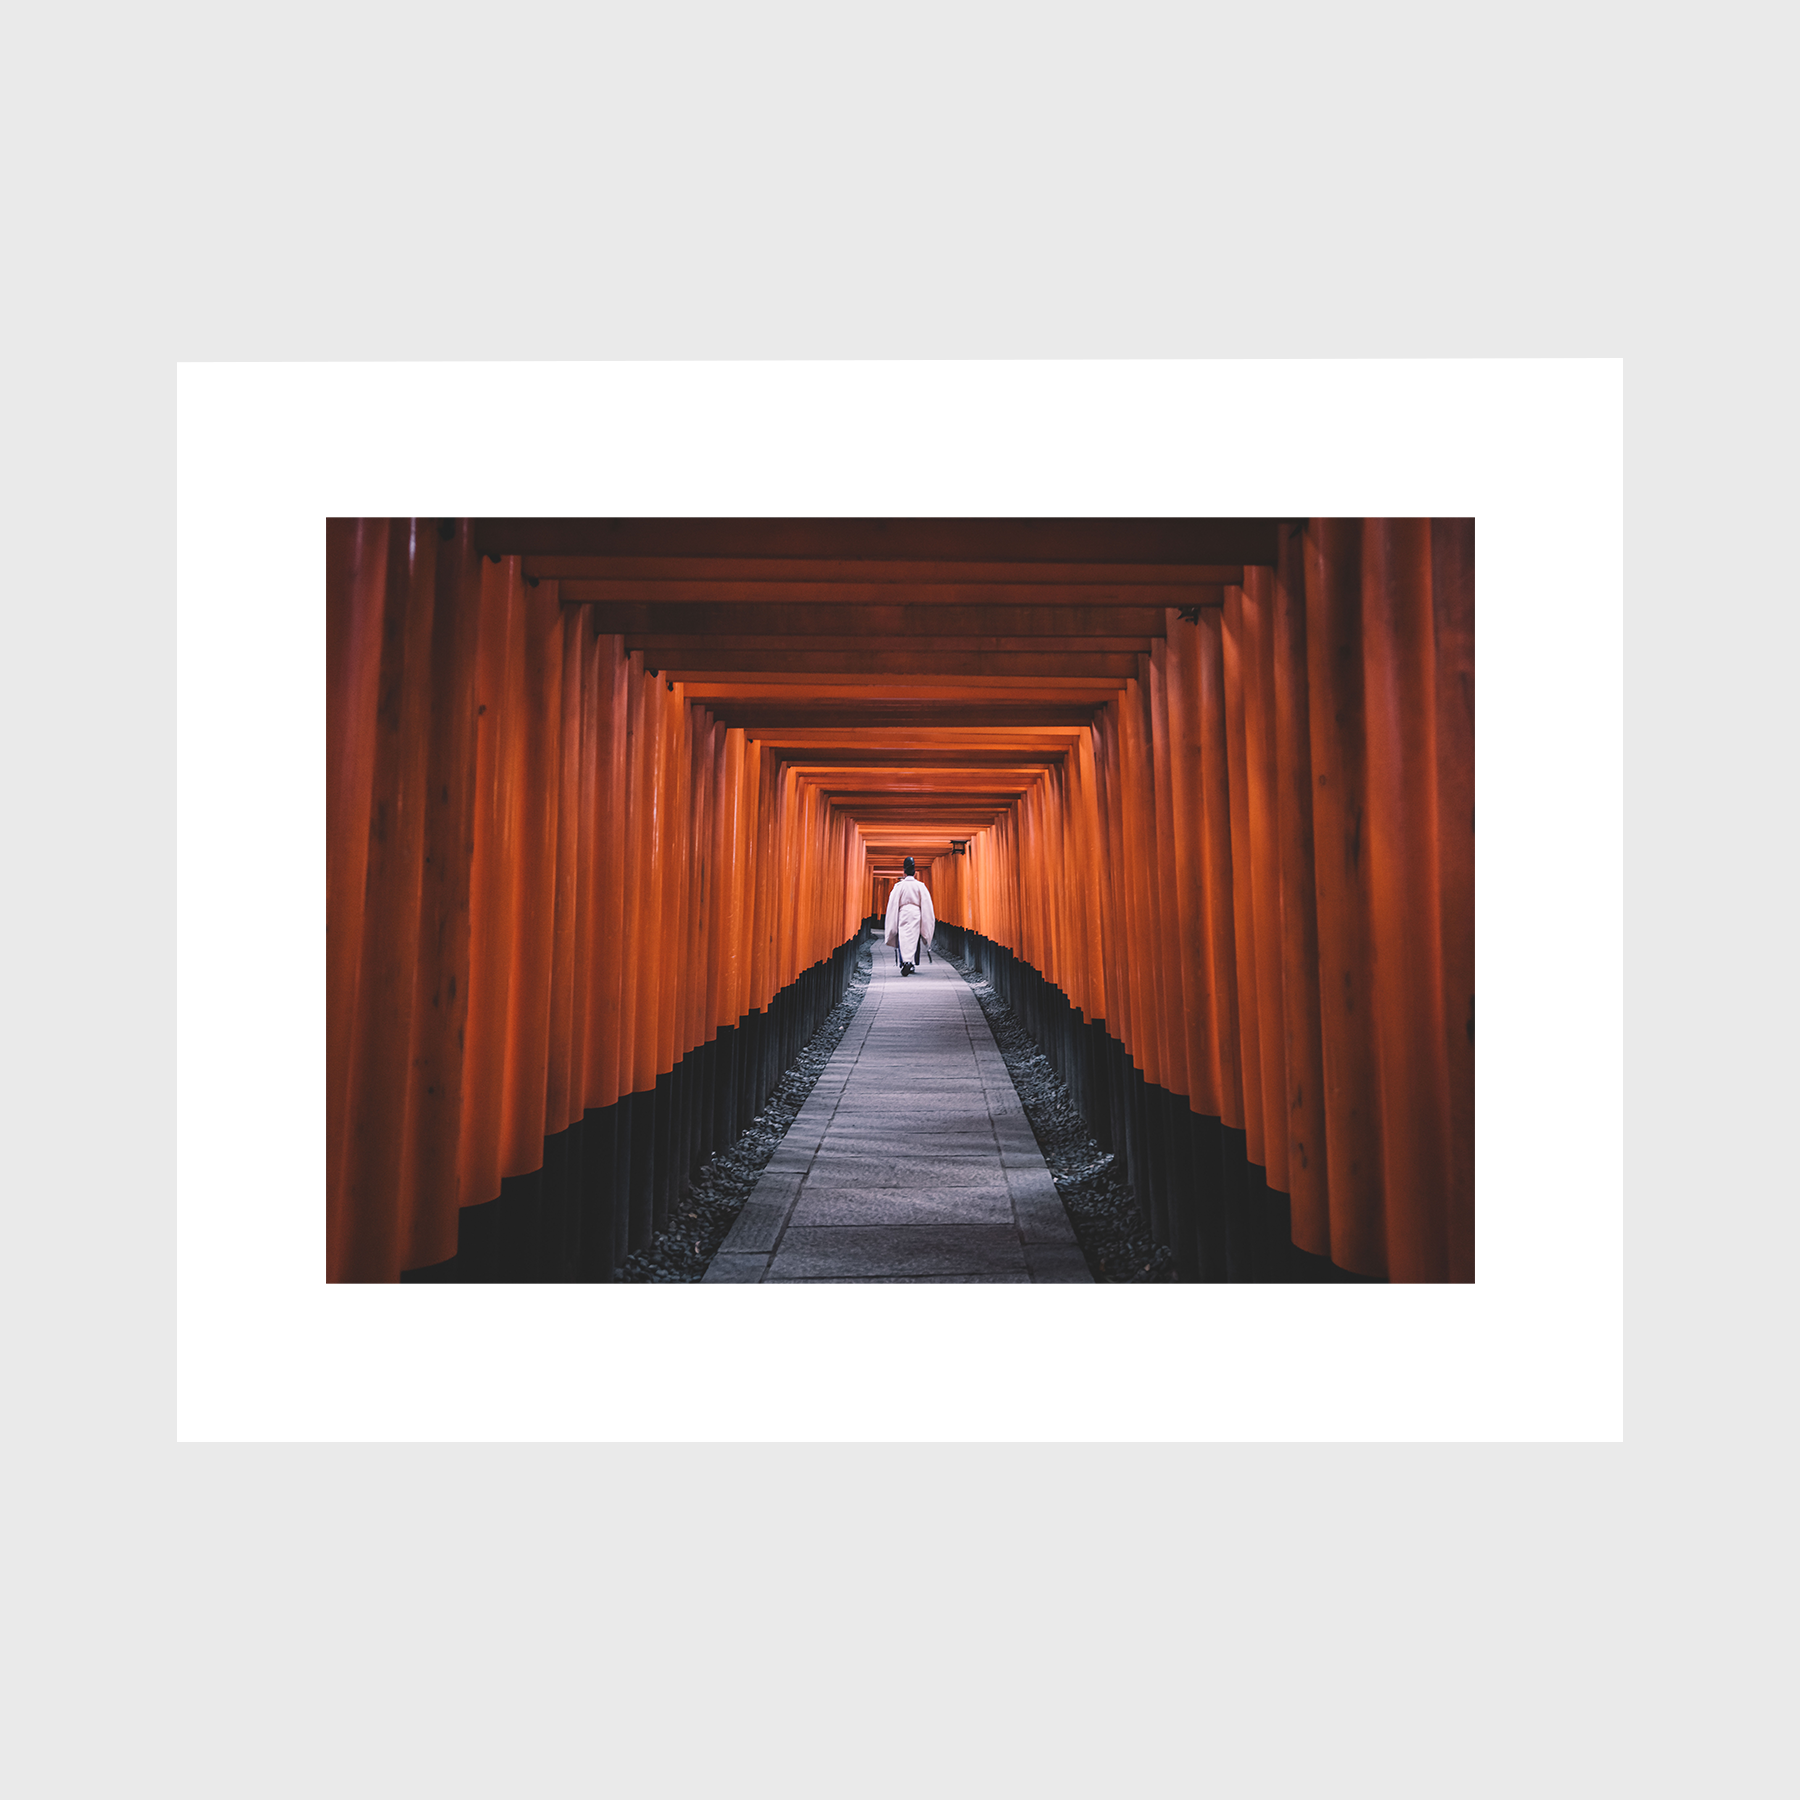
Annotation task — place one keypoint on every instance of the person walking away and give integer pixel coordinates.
(910, 918)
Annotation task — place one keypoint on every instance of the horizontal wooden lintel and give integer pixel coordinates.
(1136, 541)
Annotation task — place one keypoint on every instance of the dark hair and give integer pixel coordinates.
(909, 865)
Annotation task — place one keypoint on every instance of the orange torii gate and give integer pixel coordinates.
(609, 802)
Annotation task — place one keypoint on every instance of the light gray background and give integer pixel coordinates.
(1544, 181)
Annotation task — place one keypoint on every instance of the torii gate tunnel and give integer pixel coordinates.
(611, 800)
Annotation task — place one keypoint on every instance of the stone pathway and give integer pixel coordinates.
(911, 1160)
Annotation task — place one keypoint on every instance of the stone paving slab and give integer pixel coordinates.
(910, 1161)
(905, 1125)
(1039, 1209)
(990, 1205)
(1040, 1225)
(894, 1107)
(758, 1225)
(906, 1172)
(727, 1266)
(894, 1127)
(909, 1280)
(926, 1250)
(903, 1094)
(1057, 1262)
(861, 1144)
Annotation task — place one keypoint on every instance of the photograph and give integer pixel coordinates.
(906, 900)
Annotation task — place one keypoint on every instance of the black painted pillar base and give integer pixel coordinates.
(596, 1263)
(663, 1158)
(608, 1182)
(621, 1194)
(1179, 1150)
(1195, 1187)
(643, 1167)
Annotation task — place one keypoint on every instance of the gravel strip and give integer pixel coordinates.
(1103, 1210)
(699, 1220)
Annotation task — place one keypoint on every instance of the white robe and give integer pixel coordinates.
(909, 916)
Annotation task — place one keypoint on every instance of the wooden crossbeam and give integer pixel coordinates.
(647, 619)
(845, 767)
(903, 795)
(766, 716)
(908, 764)
(727, 573)
(690, 650)
(870, 687)
(886, 663)
(949, 736)
(876, 805)
(899, 779)
(882, 540)
(887, 594)
(873, 820)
